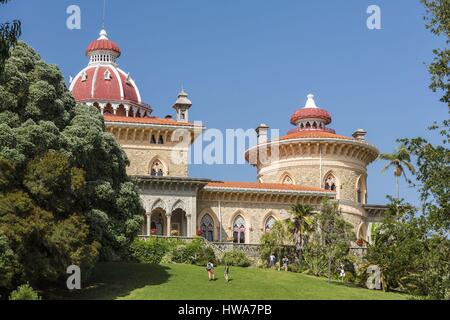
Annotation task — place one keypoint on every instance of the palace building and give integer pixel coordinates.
(310, 163)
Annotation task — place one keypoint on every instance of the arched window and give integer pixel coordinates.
(161, 140)
(157, 169)
(153, 139)
(207, 227)
(361, 193)
(269, 224)
(287, 180)
(315, 125)
(308, 125)
(239, 230)
(330, 182)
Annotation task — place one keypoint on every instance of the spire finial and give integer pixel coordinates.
(310, 103)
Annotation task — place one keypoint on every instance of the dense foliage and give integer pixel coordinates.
(24, 292)
(157, 250)
(65, 197)
(236, 258)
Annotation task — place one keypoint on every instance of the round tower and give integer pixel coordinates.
(312, 154)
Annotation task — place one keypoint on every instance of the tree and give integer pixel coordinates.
(301, 225)
(334, 235)
(276, 240)
(65, 197)
(9, 33)
(399, 160)
(409, 257)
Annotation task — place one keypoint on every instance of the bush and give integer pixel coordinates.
(24, 292)
(150, 251)
(205, 255)
(236, 258)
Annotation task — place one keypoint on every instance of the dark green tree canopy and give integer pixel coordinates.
(65, 197)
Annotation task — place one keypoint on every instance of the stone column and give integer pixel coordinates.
(149, 220)
(168, 216)
(189, 227)
(193, 217)
(127, 110)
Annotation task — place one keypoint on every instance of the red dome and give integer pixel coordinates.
(104, 83)
(103, 45)
(311, 113)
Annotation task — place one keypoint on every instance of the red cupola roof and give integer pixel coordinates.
(103, 45)
(311, 113)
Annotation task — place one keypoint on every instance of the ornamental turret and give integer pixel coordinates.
(182, 106)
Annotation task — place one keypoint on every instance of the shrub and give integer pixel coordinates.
(24, 292)
(236, 258)
(205, 255)
(149, 251)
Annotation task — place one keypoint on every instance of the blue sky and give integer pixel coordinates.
(254, 61)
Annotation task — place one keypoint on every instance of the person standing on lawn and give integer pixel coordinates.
(226, 273)
(210, 269)
(272, 260)
(285, 263)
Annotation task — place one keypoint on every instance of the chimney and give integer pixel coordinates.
(261, 133)
(360, 135)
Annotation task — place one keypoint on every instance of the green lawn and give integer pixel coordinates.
(188, 282)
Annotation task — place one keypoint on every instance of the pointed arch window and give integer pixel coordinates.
(207, 227)
(157, 169)
(160, 140)
(269, 224)
(361, 192)
(153, 139)
(239, 230)
(287, 180)
(330, 182)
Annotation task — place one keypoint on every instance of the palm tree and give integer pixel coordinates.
(301, 225)
(399, 160)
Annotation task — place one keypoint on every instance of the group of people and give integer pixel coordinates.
(284, 262)
(211, 274)
(226, 272)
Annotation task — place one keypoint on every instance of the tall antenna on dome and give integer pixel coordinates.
(104, 13)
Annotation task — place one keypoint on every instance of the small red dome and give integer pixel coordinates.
(103, 45)
(311, 113)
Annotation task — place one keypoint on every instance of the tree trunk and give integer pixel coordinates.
(397, 188)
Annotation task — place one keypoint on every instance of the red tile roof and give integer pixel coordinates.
(146, 120)
(262, 186)
(103, 44)
(313, 134)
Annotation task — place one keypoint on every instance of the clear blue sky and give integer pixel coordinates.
(253, 61)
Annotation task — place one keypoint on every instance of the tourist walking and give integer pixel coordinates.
(210, 269)
(272, 260)
(285, 263)
(226, 273)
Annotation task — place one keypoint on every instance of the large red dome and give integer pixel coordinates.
(104, 82)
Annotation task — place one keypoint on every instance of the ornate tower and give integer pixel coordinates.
(312, 154)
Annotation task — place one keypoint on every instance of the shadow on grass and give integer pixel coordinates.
(115, 280)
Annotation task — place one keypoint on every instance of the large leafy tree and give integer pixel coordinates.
(65, 197)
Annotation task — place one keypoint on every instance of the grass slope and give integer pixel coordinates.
(188, 282)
